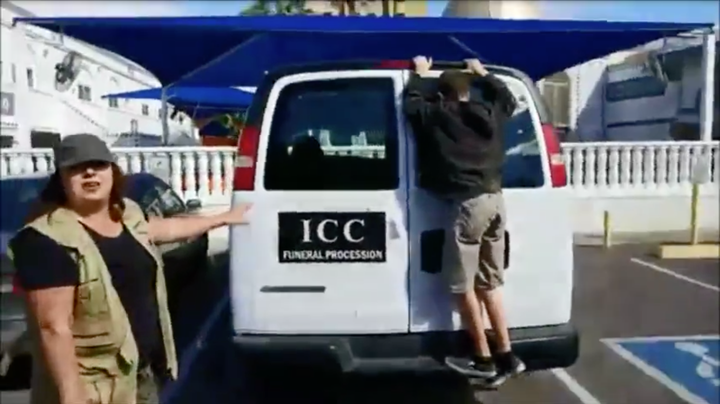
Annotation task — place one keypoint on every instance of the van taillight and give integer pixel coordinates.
(16, 288)
(395, 64)
(558, 175)
(246, 159)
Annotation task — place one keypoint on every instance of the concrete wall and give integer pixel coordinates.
(643, 213)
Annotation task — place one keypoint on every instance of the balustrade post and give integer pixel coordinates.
(715, 175)
(228, 158)
(191, 175)
(578, 165)
(590, 180)
(614, 162)
(41, 163)
(135, 163)
(648, 167)
(602, 167)
(122, 162)
(176, 174)
(4, 169)
(567, 158)
(204, 179)
(674, 166)
(626, 167)
(637, 166)
(661, 166)
(685, 158)
(218, 186)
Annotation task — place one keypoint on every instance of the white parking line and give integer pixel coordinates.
(675, 274)
(576, 388)
(661, 378)
(707, 337)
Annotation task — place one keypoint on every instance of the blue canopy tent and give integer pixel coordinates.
(237, 51)
(208, 97)
(199, 103)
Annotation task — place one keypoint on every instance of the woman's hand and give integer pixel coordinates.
(236, 215)
(172, 229)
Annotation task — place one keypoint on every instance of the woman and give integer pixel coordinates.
(94, 284)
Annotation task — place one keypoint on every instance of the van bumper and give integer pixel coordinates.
(541, 348)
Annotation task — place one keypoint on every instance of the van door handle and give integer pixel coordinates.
(393, 232)
(507, 249)
(431, 248)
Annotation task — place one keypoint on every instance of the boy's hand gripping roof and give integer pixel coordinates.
(237, 51)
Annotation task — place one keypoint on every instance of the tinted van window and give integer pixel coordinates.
(334, 135)
(523, 160)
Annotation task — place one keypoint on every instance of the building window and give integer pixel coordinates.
(112, 102)
(556, 92)
(6, 141)
(84, 93)
(145, 110)
(30, 74)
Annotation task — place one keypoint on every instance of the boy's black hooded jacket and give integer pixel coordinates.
(460, 144)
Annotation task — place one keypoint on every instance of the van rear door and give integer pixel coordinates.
(326, 251)
(539, 273)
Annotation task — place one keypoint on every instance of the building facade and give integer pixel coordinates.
(37, 111)
(507, 9)
(410, 8)
(556, 89)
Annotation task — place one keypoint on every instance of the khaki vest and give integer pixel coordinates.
(106, 351)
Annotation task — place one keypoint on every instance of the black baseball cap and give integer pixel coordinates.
(81, 148)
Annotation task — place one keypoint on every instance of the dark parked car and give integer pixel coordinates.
(183, 260)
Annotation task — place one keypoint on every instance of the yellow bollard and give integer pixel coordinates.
(607, 233)
(694, 208)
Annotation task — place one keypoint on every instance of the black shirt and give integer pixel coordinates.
(42, 263)
(460, 144)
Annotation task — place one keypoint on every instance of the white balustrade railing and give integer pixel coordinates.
(594, 169)
(631, 168)
(203, 173)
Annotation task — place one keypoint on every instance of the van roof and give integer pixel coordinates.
(263, 90)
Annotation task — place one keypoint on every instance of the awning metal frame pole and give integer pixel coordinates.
(164, 116)
(466, 48)
(163, 93)
(708, 84)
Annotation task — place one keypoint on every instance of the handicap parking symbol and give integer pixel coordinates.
(689, 366)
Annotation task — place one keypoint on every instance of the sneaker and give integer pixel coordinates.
(492, 383)
(473, 367)
(509, 364)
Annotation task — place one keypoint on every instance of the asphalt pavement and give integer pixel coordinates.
(649, 332)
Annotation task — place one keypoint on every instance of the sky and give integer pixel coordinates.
(619, 10)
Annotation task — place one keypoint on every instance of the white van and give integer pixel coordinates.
(342, 258)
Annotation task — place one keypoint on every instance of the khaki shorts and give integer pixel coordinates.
(474, 249)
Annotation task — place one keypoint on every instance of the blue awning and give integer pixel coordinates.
(204, 97)
(237, 51)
